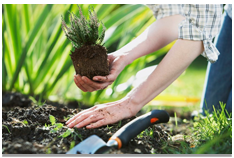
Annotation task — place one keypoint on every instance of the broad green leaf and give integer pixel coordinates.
(52, 119)
(59, 125)
(67, 133)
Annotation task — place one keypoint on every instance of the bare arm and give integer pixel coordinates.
(171, 67)
(156, 36)
(173, 64)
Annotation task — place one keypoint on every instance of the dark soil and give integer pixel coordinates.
(28, 135)
(90, 61)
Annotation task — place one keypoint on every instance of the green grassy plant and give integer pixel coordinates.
(83, 31)
(6, 128)
(57, 126)
(35, 58)
(211, 134)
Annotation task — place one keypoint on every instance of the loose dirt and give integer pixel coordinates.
(24, 131)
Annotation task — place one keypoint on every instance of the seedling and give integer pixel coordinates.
(73, 143)
(39, 102)
(109, 128)
(120, 123)
(89, 57)
(52, 120)
(48, 151)
(6, 128)
(57, 126)
(176, 120)
(146, 133)
(25, 122)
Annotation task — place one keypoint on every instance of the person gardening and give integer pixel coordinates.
(192, 26)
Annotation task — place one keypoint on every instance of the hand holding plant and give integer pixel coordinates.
(116, 63)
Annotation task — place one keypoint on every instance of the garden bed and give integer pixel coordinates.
(26, 129)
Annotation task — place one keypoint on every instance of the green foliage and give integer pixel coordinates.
(84, 31)
(120, 123)
(39, 102)
(146, 133)
(75, 134)
(211, 134)
(57, 126)
(176, 123)
(6, 128)
(35, 58)
(67, 133)
(25, 122)
(72, 144)
(219, 123)
(52, 120)
(48, 151)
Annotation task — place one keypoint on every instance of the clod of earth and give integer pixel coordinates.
(90, 61)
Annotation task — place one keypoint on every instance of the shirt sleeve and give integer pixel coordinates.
(202, 22)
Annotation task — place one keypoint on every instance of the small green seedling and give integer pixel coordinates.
(25, 122)
(6, 128)
(68, 132)
(57, 126)
(52, 120)
(73, 143)
(48, 151)
(109, 127)
(120, 123)
(39, 102)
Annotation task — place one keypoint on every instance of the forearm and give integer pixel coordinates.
(156, 36)
(174, 63)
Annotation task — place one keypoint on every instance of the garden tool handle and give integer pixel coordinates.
(136, 126)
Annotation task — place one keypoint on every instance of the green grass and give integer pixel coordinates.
(35, 58)
(210, 135)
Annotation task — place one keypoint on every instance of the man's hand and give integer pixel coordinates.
(117, 64)
(103, 114)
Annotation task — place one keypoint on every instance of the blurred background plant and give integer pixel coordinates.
(35, 52)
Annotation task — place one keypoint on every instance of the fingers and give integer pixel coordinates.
(87, 85)
(77, 81)
(97, 124)
(80, 82)
(90, 119)
(77, 120)
(80, 113)
(108, 78)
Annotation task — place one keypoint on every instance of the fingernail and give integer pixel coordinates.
(95, 78)
(69, 125)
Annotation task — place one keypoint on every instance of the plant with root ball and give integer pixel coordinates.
(89, 57)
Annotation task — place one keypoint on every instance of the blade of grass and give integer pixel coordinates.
(26, 18)
(10, 19)
(104, 10)
(120, 15)
(4, 72)
(32, 38)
